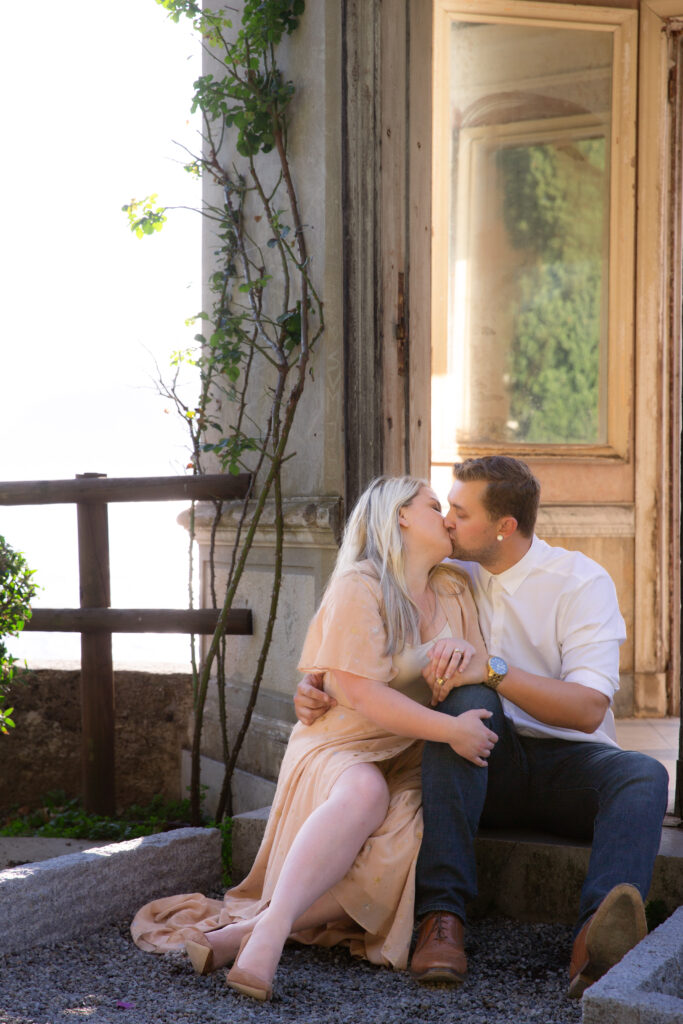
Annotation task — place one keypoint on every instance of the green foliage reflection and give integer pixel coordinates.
(554, 211)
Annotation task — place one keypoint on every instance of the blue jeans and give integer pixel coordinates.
(590, 791)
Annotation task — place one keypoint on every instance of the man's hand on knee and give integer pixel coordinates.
(310, 700)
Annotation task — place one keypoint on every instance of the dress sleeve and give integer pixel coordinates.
(347, 632)
(471, 622)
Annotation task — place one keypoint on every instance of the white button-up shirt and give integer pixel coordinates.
(554, 613)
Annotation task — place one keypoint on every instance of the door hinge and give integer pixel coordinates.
(400, 329)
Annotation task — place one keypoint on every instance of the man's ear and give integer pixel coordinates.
(507, 526)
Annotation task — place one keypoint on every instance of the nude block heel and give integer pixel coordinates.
(246, 983)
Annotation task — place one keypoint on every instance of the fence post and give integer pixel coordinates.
(97, 672)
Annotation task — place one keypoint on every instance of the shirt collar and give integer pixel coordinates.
(513, 577)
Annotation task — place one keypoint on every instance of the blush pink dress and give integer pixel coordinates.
(347, 633)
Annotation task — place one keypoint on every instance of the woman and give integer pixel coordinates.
(338, 856)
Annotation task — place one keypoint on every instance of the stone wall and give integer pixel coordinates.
(43, 752)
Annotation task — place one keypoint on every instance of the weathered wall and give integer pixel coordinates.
(43, 752)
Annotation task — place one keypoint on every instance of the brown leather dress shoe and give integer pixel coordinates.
(616, 927)
(440, 949)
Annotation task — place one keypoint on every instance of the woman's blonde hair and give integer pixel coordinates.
(373, 535)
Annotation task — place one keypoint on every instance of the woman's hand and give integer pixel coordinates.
(447, 658)
(471, 738)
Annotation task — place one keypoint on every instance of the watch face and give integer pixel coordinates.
(498, 666)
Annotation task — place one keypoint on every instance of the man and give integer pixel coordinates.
(552, 627)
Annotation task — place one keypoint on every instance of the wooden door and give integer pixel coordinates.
(552, 308)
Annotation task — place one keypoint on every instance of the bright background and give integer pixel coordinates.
(94, 96)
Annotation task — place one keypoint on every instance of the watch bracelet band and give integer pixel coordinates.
(494, 681)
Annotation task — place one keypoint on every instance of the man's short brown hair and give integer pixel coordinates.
(512, 489)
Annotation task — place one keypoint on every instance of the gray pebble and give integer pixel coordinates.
(518, 974)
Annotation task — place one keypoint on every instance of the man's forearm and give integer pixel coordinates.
(555, 702)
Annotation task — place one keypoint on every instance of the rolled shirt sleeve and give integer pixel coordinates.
(590, 631)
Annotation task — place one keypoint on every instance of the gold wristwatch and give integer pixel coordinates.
(497, 670)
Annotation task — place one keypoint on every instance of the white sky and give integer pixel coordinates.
(93, 94)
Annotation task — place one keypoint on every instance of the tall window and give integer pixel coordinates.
(526, 334)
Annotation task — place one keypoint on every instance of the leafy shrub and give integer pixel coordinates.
(17, 590)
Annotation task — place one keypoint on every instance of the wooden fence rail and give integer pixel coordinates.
(201, 621)
(96, 487)
(95, 620)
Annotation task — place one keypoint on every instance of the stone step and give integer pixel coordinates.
(523, 875)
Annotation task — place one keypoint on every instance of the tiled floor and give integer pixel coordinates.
(655, 736)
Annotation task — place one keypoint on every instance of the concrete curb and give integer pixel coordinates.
(76, 894)
(646, 987)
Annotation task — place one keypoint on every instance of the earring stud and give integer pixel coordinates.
(499, 536)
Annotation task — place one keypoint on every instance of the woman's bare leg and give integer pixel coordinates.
(320, 856)
(325, 909)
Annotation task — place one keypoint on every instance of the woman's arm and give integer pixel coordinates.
(396, 713)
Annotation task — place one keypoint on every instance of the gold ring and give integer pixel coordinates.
(440, 681)
(457, 651)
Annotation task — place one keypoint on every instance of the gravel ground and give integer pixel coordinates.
(518, 973)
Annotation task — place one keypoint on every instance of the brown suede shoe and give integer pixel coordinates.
(616, 927)
(440, 949)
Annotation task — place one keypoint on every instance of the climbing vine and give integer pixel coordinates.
(254, 348)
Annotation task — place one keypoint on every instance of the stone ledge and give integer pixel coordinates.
(646, 987)
(16, 851)
(78, 893)
(311, 519)
(534, 877)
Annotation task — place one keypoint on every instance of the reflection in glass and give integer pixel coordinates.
(525, 359)
(554, 210)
